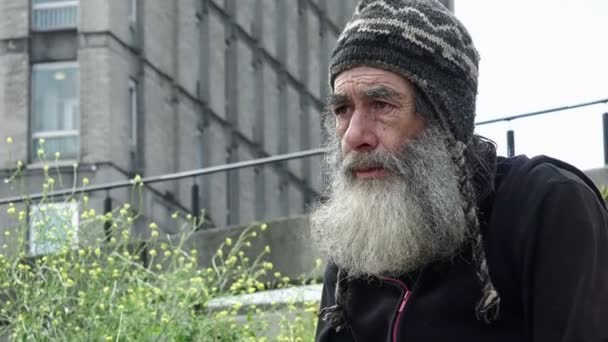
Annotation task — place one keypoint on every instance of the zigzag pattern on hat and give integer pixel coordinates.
(432, 31)
(422, 41)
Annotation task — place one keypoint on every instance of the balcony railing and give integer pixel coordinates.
(66, 142)
(56, 15)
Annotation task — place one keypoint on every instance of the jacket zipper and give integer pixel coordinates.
(402, 305)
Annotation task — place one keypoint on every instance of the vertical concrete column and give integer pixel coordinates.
(204, 96)
(231, 93)
(304, 67)
(175, 95)
(258, 105)
(140, 48)
(281, 36)
(323, 49)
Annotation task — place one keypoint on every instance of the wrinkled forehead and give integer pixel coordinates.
(364, 81)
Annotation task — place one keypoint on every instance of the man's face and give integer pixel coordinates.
(394, 202)
(375, 110)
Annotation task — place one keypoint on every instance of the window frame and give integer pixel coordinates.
(55, 133)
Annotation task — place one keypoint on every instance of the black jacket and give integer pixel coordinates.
(545, 230)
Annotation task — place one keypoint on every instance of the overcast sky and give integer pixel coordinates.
(540, 54)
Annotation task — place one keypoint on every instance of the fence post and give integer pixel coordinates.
(510, 143)
(107, 208)
(196, 210)
(605, 120)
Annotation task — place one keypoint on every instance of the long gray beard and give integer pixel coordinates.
(391, 225)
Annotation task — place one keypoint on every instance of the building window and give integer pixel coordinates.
(133, 115)
(53, 226)
(55, 110)
(49, 15)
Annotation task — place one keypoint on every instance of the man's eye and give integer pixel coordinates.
(380, 105)
(341, 110)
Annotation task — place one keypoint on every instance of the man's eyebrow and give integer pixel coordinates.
(381, 92)
(378, 92)
(334, 100)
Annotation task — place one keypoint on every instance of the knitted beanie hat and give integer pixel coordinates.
(424, 42)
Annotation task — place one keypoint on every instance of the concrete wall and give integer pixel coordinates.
(95, 16)
(14, 81)
(292, 251)
(95, 102)
(233, 125)
(15, 18)
(14, 106)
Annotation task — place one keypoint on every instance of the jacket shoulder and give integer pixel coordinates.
(526, 190)
(523, 176)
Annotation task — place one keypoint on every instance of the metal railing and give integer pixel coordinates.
(511, 133)
(57, 15)
(195, 206)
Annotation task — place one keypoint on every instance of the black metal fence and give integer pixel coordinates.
(511, 133)
(195, 195)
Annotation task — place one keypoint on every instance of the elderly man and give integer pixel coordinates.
(430, 236)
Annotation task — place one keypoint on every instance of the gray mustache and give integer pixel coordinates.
(368, 160)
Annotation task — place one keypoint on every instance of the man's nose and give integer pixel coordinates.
(360, 135)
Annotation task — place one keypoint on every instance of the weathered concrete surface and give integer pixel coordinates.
(291, 248)
(270, 298)
(275, 305)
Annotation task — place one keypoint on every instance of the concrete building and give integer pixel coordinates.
(152, 87)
